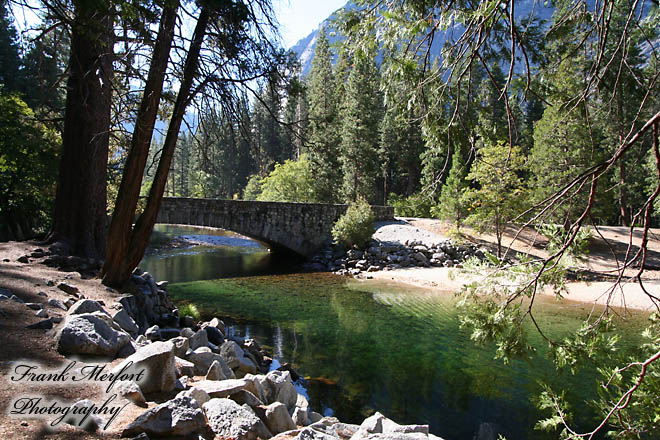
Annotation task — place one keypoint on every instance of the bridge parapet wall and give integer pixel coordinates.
(301, 227)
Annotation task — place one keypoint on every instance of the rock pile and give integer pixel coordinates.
(389, 256)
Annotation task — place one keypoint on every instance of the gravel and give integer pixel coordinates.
(401, 232)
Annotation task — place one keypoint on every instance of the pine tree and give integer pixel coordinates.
(10, 61)
(453, 203)
(323, 131)
(44, 66)
(401, 145)
(564, 146)
(627, 87)
(499, 196)
(268, 142)
(492, 120)
(361, 115)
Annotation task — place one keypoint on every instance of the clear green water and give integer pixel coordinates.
(366, 346)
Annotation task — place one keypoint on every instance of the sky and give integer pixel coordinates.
(298, 18)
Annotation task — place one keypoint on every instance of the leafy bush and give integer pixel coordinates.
(253, 187)
(189, 310)
(291, 181)
(356, 226)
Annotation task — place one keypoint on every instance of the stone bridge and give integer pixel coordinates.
(299, 227)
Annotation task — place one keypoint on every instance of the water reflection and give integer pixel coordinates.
(216, 254)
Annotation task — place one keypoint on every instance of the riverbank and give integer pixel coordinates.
(607, 248)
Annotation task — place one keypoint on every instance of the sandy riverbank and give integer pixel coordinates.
(444, 280)
(607, 249)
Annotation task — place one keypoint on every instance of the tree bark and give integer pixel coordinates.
(118, 274)
(79, 220)
(623, 197)
(131, 182)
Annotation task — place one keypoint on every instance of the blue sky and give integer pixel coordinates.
(298, 18)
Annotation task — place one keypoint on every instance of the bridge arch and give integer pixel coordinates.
(299, 227)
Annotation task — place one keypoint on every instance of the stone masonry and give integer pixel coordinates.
(299, 227)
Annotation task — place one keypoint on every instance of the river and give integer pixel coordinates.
(365, 346)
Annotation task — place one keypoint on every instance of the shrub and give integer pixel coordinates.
(356, 226)
(29, 157)
(291, 181)
(253, 187)
(190, 310)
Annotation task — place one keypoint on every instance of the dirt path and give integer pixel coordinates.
(26, 281)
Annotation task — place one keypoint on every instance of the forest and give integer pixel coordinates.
(371, 120)
(481, 113)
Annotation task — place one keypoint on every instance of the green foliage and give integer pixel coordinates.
(558, 236)
(28, 167)
(564, 146)
(190, 310)
(493, 309)
(453, 204)
(492, 321)
(416, 205)
(324, 122)
(641, 416)
(359, 141)
(291, 181)
(500, 194)
(628, 396)
(253, 187)
(356, 226)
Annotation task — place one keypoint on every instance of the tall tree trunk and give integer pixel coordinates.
(79, 221)
(131, 182)
(119, 273)
(623, 196)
